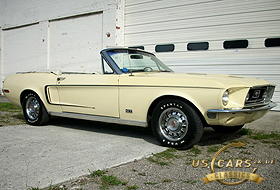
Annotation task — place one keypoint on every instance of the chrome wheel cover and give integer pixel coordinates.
(173, 124)
(32, 108)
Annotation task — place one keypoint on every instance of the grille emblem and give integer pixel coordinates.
(256, 94)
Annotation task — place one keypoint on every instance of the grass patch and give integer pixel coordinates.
(8, 107)
(10, 115)
(100, 177)
(108, 180)
(244, 132)
(158, 161)
(213, 149)
(167, 154)
(194, 151)
(266, 141)
(265, 136)
(97, 173)
(241, 147)
(163, 158)
(132, 187)
(190, 181)
(11, 118)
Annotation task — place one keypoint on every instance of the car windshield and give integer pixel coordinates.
(137, 61)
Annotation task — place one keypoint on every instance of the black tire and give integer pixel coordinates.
(226, 129)
(34, 110)
(176, 124)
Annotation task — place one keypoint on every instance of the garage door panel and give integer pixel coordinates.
(21, 49)
(75, 43)
(203, 22)
(170, 35)
(249, 56)
(137, 15)
(146, 6)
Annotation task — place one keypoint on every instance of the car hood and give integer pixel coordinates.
(195, 80)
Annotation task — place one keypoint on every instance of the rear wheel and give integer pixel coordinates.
(34, 110)
(226, 129)
(176, 124)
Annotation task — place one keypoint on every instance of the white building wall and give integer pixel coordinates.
(57, 34)
(149, 23)
(23, 12)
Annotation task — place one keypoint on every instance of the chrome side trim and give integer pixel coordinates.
(99, 118)
(245, 110)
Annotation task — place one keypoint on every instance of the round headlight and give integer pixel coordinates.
(247, 97)
(225, 98)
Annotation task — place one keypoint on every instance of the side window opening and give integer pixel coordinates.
(106, 67)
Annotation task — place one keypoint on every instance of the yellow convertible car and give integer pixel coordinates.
(136, 88)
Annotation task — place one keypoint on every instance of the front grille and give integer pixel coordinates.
(259, 95)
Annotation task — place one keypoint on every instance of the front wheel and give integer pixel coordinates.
(176, 124)
(34, 110)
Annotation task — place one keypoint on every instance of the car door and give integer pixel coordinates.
(92, 94)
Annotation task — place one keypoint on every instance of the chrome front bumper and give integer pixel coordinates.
(245, 110)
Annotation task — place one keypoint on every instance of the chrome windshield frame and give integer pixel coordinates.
(105, 54)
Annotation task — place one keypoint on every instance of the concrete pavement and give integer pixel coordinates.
(3, 99)
(34, 156)
(270, 122)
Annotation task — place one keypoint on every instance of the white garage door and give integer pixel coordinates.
(21, 49)
(75, 43)
(230, 36)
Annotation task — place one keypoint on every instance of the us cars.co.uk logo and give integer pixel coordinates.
(237, 176)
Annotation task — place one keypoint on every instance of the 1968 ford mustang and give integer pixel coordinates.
(136, 88)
